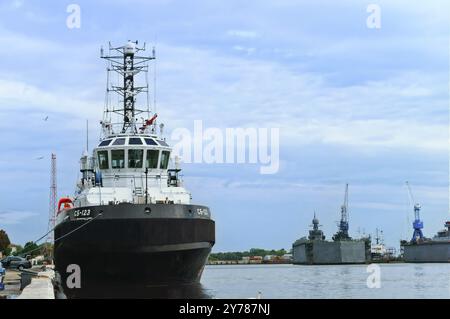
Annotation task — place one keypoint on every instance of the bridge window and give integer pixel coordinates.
(103, 159)
(119, 141)
(135, 158)
(134, 141)
(118, 158)
(164, 159)
(152, 159)
(150, 141)
(105, 143)
(163, 143)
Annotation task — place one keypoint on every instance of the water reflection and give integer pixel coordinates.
(344, 277)
(418, 271)
(344, 270)
(419, 283)
(111, 291)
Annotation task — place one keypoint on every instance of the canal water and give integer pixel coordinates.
(294, 281)
(337, 281)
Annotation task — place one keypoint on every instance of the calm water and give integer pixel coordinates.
(340, 281)
(292, 281)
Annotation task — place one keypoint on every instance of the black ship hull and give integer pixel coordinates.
(123, 245)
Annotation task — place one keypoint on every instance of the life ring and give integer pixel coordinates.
(67, 203)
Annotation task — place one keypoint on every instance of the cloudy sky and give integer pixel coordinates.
(365, 106)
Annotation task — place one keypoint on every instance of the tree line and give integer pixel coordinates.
(30, 249)
(237, 255)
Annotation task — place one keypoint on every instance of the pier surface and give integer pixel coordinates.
(40, 288)
(12, 284)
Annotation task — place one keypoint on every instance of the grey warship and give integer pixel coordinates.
(131, 220)
(428, 250)
(315, 250)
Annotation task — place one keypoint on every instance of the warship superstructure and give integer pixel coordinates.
(131, 220)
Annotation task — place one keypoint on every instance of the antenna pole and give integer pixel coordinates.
(87, 135)
(154, 81)
(52, 199)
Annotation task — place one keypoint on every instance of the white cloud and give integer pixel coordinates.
(14, 217)
(19, 96)
(17, 43)
(245, 34)
(397, 111)
(369, 135)
(17, 4)
(244, 49)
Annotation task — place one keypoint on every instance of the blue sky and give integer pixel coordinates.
(365, 106)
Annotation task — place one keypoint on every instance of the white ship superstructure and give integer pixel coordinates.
(131, 162)
(131, 169)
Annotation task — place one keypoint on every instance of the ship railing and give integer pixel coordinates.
(140, 178)
(117, 127)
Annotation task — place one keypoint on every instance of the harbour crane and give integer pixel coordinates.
(417, 224)
(342, 233)
(343, 225)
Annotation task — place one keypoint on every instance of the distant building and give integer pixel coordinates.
(13, 249)
(288, 257)
(37, 259)
(256, 260)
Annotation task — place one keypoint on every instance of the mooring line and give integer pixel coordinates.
(72, 231)
(59, 238)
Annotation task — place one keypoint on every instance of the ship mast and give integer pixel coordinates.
(125, 62)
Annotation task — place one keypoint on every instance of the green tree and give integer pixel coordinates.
(46, 250)
(281, 252)
(237, 255)
(7, 251)
(4, 240)
(258, 252)
(30, 248)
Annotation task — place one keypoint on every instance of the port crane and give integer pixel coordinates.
(342, 233)
(417, 224)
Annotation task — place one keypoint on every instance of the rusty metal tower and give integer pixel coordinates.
(52, 199)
